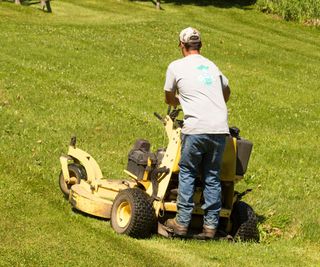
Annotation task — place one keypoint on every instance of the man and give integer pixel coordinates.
(198, 85)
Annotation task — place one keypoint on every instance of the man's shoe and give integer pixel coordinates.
(207, 233)
(177, 228)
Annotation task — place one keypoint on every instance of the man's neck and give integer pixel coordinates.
(190, 52)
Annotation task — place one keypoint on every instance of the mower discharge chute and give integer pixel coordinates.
(138, 206)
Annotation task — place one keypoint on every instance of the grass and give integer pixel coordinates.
(96, 69)
(307, 10)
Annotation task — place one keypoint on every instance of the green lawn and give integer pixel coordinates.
(96, 69)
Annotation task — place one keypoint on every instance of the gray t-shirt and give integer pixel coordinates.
(197, 81)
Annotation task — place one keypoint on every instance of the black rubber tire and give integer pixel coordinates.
(244, 223)
(75, 170)
(140, 219)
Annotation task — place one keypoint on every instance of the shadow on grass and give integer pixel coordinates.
(261, 218)
(244, 4)
(24, 2)
(45, 8)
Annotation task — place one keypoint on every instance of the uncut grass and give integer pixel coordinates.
(292, 10)
(97, 71)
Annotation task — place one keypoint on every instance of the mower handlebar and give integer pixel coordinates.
(158, 116)
(172, 114)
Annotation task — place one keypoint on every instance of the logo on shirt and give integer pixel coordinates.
(205, 77)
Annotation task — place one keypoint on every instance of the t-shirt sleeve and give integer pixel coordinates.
(170, 84)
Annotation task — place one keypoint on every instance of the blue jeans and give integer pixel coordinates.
(200, 154)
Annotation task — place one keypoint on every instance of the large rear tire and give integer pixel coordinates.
(132, 213)
(244, 223)
(75, 170)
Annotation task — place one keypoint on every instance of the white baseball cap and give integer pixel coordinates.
(189, 35)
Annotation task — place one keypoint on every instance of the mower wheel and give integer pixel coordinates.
(75, 171)
(132, 213)
(244, 223)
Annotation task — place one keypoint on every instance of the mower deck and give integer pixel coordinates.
(84, 200)
(96, 199)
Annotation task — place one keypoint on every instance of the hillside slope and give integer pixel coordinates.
(96, 69)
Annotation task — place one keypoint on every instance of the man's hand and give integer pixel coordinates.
(171, 99)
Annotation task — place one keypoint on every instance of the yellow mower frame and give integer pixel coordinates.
(82, 182)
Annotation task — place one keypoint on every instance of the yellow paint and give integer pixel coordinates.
(228, 166)
(64, 167)
(83, 200)
(123, 214)
(170, 160)
(146, 172)
(96, 194)
(89, 163)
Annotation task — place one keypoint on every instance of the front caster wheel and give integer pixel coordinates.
(76, 173)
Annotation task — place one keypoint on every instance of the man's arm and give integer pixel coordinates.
(171, 98)
(170, 88)
(226, 93)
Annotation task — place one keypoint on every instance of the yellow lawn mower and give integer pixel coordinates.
(139, 205)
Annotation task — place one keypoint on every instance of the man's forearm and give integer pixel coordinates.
(226, 93)
(171, 99)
